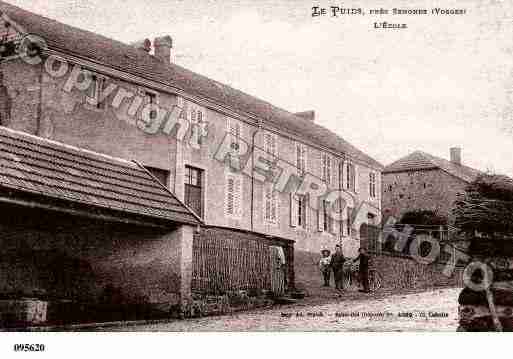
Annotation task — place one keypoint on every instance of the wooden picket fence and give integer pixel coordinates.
(221, 265)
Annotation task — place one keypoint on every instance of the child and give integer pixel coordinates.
(324, 266)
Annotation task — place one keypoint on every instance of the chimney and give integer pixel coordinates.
(456, 155)
(163, 46)
(144, 45)
(307, 115)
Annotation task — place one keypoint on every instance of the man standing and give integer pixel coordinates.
(337, 263)
(364, 269)
(325, 266)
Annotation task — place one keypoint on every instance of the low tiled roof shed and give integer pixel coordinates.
(47, 171)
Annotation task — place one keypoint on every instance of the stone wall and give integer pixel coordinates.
(401, 272)
(433, 190)
(65, 259)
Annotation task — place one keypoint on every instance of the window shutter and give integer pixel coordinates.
(301, 159)
(229, 201)
(328, 169)
(238, 196)
(345, 184)
(294, 210)
(305, 159)
(307, 209)
(233, 201)
(267, 203)
(356, 178)
(275, 206)
(320, 217)
(179, 102)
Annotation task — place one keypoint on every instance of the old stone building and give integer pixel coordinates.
(421, 181)
(221, 155)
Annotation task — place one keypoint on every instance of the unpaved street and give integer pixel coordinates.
(429, 311)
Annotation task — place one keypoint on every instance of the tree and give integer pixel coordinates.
(486, 207)
(485, 214)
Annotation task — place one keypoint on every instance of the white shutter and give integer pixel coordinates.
(275, 145)
(233, 197)
(301, 159)
(179, 102)
(267, 202)
(328, 169)
(238, 196)
(320, 217)
(343, 173)
(356, 179)
(305, 158)
(275, 206)
(294, 210)
(270, 207)
(229, 200)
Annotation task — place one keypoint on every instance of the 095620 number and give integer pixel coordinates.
(29, 347)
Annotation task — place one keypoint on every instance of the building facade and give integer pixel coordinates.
(108, 113)
(421, 181)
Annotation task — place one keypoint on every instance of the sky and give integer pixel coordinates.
(444, 81)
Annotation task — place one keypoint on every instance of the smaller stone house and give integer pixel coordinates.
(421, 181)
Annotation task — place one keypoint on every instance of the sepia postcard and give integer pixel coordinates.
(255, 166)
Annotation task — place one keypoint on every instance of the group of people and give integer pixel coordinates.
(335, 263)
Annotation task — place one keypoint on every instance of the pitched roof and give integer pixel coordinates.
(419, 160)
(127, 58)
(42, 167)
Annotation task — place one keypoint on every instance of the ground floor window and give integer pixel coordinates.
(194, 189)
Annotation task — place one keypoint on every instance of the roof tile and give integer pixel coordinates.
(419, 160)
(84, 177)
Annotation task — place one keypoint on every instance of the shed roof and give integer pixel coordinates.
(52, 169)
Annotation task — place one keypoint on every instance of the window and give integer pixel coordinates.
(349, 220)
(234, 132)
(301, 213)
(270, 204)
(326, 221)
(160, 174)
(234, 129)
(326, 168)
(271, 144)
(301, 159)
(151, 98)
(233, 195)
(194, 189)
(95, 90)
(372, 184)
(298, 208)
(197, 116)
(350, 176)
